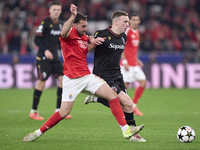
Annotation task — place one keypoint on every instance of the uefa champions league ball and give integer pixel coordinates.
(185, 134)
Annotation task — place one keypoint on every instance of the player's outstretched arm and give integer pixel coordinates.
(94, 42)
(68, 24)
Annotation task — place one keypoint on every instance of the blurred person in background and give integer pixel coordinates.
(154, 14)
(130, 63)
(47, 60)
(15, 41)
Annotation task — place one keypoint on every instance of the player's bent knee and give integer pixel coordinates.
(127, 104)
(106, 92)
(143, 83)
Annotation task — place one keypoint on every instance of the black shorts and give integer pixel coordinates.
(47, 67)
(117, 85)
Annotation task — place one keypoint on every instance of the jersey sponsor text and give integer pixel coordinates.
(116, 46)
(55, 32)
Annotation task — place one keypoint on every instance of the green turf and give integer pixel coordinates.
(94, 128)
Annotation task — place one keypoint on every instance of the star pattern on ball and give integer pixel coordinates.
(183, 128)
(186, 134)
(180, 136)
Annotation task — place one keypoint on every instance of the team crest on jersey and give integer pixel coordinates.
(42, 22)
(70, 96)
(114, 88)
(109, 38)
(51, 25)
(123, 40)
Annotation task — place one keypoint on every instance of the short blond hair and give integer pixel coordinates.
(118, 13)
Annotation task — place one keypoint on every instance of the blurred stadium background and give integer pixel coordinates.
(169, 32)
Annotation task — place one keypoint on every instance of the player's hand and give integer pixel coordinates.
(48, 54)
(73, 9)
(126, 66)
(98, 41)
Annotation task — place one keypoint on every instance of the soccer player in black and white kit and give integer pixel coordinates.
(47, 60)
(107, 65)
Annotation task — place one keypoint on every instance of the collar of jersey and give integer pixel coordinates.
(134, 30)
(55, 22)
(109, 28)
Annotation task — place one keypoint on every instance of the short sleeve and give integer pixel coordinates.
(71, 35)
(98, 34)
(41, 28)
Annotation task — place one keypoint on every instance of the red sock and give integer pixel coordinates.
(117, 111)
(138, 94)
(52, 121)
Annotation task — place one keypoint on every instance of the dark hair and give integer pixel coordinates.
(134, 14)
(79, 17)
(55, 3)
(118, 13)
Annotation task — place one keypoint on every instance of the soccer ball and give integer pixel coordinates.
(185, 134)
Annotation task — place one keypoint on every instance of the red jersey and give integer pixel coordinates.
(131, 47)
(74, 50)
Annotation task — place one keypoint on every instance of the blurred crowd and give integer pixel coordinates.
(167, 26)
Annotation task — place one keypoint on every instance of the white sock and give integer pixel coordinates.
(38, 132)
(95, 99)
(57, 109)
(134, 105)
(33, 111)
(124, 128)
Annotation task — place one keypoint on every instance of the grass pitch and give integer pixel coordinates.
(94, 128)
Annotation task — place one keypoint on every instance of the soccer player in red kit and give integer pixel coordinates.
(77, 77)
(130, 64)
